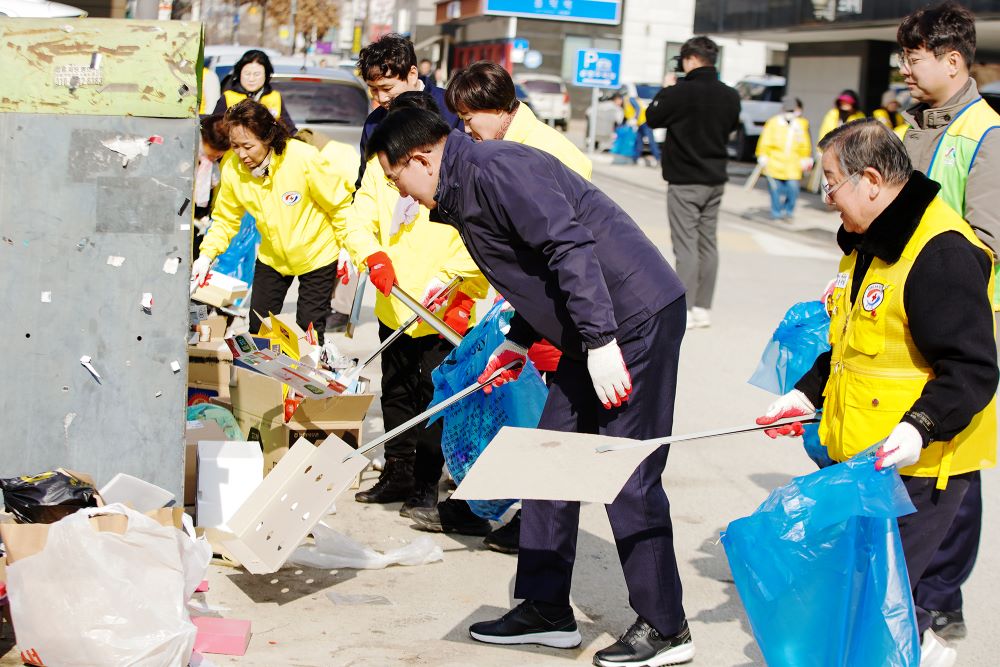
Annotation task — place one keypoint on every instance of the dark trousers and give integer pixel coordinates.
(640, 515)
(407, 390)
(940, 587)
(315, 287)
(923, 532)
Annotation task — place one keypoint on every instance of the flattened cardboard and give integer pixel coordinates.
(292, 499)
(536, 464)
(303, 378)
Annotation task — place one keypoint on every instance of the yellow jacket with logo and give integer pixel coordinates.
(876, 371)
(785, 144)
(299, 207)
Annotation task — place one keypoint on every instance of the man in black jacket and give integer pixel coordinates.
(580, 273)
(699, 112)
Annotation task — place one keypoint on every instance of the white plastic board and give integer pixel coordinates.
(550, 465)
(293, 498)
(137, 493)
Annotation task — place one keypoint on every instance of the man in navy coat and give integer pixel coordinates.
(580, 273)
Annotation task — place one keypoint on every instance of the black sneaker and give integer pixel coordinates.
(450, 516)
(505, 539)
(423, 496)
(395, 484)
(524, 624)
(643, 646)
(948, 625)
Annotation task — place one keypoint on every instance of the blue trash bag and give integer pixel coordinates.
(801, 337)
(209, 412)
(240, 257)
(815, 449)
(625, 141)
(821, 572)
(472, 423)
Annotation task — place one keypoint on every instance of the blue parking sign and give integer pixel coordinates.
(597, 69)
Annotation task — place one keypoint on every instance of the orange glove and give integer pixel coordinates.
(457, 314)
(504, 353)
(381, 272)
(545, 356)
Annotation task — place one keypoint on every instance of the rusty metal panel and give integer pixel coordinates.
(106, 67)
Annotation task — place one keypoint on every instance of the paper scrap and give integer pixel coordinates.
(85, 361)
(349, 599)
(115, 260)
(171, 264)
(147, 302)
(175, 366)
(158, 394)
(46, 297)
(67, 420)
(129, 149)
(185, 227)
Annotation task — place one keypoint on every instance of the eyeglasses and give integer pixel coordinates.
(829, 189)
(393, 181)
(907, 60)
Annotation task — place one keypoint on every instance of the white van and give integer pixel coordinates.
(549, 97)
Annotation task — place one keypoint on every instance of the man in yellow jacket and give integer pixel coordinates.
(784, 151)
(394, 239)
(912, 365)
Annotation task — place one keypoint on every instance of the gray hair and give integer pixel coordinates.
(866, 143)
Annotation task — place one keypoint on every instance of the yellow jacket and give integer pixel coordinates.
(344, 159)
(634, 109)
(831, 121)
(785, 144)
(299, 207)
(526, 129)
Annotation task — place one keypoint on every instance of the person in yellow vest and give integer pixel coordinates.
(298, 202)
(952, 135)
(912, 364)
(784, 151)
(634, 114)
(251, 78)
(889, 114)
(845, 109)
(393, 237)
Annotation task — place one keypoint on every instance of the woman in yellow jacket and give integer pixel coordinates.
(298, 201)
(845, 109)
(393, 237)
(251, 79)
(784, 152)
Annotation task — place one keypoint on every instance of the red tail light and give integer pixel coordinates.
(565, 98)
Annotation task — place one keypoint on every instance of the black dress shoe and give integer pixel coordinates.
(525, 624)
(450, 516)
(505, 539)
(643, 646)
(424, 496)
(948, 625)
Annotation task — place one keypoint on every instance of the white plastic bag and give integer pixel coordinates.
(335, 550)
(100, 599)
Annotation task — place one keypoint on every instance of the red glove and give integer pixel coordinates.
(380, 271)
(343, 275)
(457, 314)
(504, 353)
(545, 356)
(792, 404)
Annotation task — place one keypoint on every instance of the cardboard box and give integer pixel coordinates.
(228, 472)
(217, 325)
(210, 371)
(194, 432)
(221, 290)
(136, 493)
(258, 405)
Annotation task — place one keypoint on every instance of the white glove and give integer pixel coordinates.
(762, 160)
(429, 298)
(902, 448)
(792, 404)
(609, 375)
(806, 163)
(199, 271)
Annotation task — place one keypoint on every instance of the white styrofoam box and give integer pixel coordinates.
(228, 472)
(137, 493)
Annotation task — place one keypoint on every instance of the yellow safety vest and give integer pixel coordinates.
(876, 371)
(272, 100)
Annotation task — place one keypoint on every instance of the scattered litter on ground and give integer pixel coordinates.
(350, 600)
(335, 550)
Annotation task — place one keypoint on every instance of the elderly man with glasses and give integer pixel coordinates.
(913, 363)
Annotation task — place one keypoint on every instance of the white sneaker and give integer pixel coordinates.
(698, 318)
(935, 653)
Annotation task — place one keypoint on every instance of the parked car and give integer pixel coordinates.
(549, 97)
(609, 115)
(522, 95)
(760, 98)
(327, 100)
(38, 9)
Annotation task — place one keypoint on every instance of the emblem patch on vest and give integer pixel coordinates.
(874, 295)
(291, 198)
(949, 156)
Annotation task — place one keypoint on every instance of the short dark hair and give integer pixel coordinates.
(867, 143)
(415, 99)
(253, 56)
(405, 131)
(256, 118)
(215, 132)
(942, 28)
(701, 47)
(390, 56)
(482, 86)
